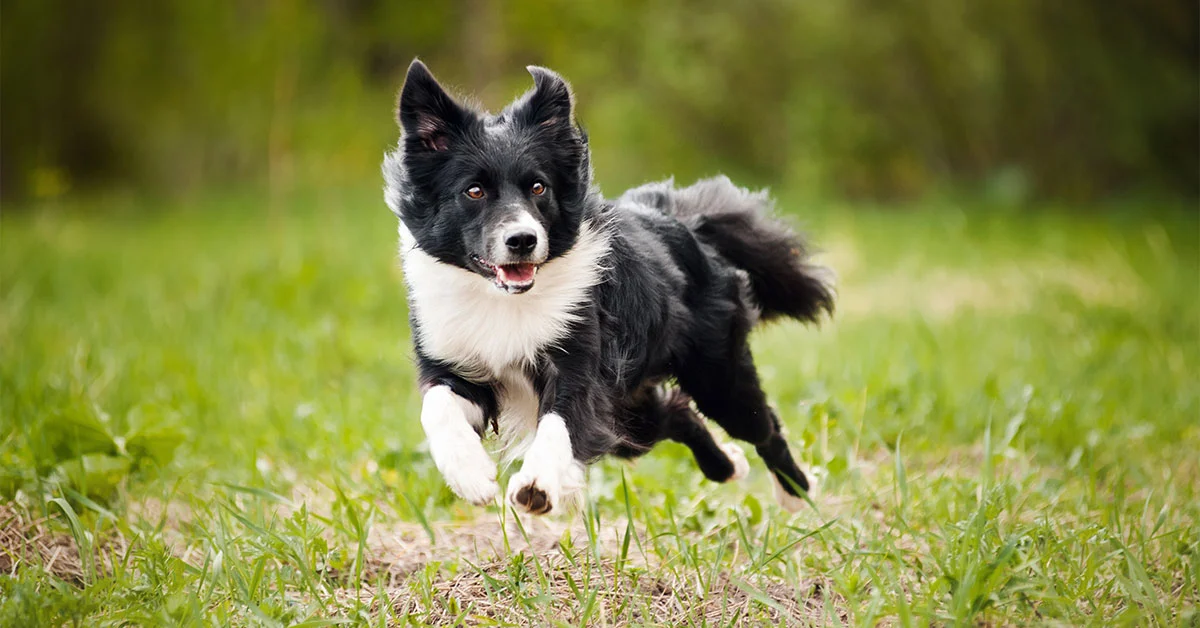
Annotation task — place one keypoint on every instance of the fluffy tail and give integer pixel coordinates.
(738, 224)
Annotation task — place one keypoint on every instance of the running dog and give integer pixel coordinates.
(573, 326)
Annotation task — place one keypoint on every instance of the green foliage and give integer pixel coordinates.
(882, 100)
(22, 603)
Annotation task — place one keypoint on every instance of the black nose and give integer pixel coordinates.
(521, 242)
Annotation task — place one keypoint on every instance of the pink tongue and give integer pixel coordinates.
(516, 273)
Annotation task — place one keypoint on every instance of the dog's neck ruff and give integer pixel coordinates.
(464, 320)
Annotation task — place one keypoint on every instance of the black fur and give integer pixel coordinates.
(689, 273)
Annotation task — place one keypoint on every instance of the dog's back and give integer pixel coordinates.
(737, 224)
(691, 271)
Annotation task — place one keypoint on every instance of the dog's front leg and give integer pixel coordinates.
(550, 476)
(574, 429)
(452, 427)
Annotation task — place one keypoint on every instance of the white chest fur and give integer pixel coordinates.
(518, 418)
(465, 320)
(490, 335)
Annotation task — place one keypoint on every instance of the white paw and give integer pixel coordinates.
(550, 475)
(790, 502)
(450, 423)
(741, 466)
(546, 489)
(471, 474)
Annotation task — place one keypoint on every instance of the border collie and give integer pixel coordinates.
(573, 326)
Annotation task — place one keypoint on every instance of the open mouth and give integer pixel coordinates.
(511, 278)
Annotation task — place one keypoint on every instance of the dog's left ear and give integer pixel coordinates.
(550, 104)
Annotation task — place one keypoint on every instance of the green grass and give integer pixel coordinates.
(212, 406)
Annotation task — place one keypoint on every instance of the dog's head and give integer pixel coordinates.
(497, 195)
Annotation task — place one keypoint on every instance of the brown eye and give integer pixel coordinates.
(538, 189)
(474, 192)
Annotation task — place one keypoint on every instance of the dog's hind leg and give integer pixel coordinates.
(667, 414)
(726, 389)
(719, 462)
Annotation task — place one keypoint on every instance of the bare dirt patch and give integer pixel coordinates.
(29, 542)
(484, 571)
(567, 571)
(606, 596)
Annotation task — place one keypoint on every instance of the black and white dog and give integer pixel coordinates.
(573, 326)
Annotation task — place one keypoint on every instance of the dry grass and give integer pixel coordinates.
(621, 599)
(621, 594)
(1006, 286)
(476, 567)
(30, 543)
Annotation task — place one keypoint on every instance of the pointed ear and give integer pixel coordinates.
(426, 111)
(550, 103)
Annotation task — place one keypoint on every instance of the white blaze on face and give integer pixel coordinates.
(516, 270)
(524, 221)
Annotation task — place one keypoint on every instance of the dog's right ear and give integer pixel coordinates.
(428, 115)
(550, 104)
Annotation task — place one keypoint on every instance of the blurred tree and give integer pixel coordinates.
(1070, 99)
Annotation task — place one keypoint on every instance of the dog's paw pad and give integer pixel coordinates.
(741, 466)
(531, 494)
(532, 499)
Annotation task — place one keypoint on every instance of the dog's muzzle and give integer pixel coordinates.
(519, 250)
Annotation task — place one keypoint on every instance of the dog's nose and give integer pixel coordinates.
(521, 241)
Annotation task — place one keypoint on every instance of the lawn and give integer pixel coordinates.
(209, 418)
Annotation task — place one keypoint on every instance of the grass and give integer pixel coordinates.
(209, 419)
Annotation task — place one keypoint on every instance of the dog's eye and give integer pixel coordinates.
(474, 192)
(538, 188)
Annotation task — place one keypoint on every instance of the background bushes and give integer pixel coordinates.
(1071, 99)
